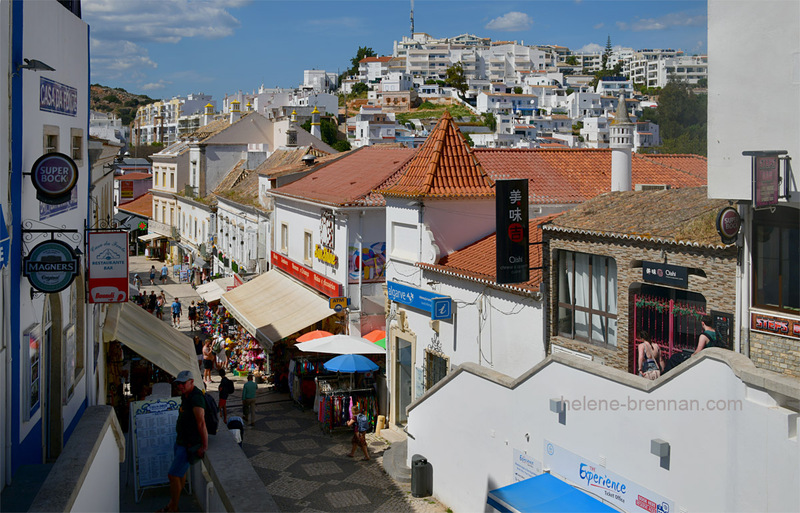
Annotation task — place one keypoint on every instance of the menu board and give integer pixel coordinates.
(153, 439)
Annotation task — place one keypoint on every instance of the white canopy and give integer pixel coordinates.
(214, 289)
(151, 236)
(340, 344)
(152, 338)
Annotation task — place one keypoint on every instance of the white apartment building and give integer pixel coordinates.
(373, 69)
(614, 86)
(319, 80)
(371, 126)
(509, 103)
(108, 126)
(159, 121)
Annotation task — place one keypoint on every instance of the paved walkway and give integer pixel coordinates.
(304, 469)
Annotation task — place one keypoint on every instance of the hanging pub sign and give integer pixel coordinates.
(511, 210)
(108, 267)
(728, 223)
(767, 180)
(53, 176)
(50, 266)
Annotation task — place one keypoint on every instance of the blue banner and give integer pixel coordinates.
(57, 98)
(437, 305)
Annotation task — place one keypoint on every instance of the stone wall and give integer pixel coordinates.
(775, 353)
(718, 287)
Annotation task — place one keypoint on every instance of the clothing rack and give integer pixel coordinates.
(335, 407)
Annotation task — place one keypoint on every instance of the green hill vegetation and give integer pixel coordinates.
(117, 101)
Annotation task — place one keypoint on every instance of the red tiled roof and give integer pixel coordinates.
(443, 167)
(376, 59)
(478, 260)
(350, 180)
(143, 205)
(576, 175)
(134, 176)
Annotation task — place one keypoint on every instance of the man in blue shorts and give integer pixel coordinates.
(192, 440)
(177, 310)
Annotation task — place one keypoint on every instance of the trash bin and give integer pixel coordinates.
(421, 477)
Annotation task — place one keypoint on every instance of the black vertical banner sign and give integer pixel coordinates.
(512, 231)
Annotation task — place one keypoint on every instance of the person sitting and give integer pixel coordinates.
(709, 336)
(651, 361)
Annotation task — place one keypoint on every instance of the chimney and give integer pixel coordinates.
(291, 133)
(316, 131)
(236, 113)
(621, 143)
(208, 115)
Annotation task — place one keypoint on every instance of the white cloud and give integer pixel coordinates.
(117, 59)
(513, 21)
(676, 19)
(153, 86)
(599, 26)
(344, 22)
(591, 48)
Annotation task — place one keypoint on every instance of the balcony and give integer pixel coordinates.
(159, 228)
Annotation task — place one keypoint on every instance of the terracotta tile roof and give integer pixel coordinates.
(443, 167)
(134, 176)
(676, 216)
(477, 261)
(576, 175)
(291, 166)
(376, 59)
(245, 191)
(352, 179)
(237, 173)
(143, 205)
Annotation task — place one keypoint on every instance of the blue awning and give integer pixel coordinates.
(544, 493)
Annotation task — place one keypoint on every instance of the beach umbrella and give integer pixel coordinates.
(350, 363)
(340, 344)
(312, 335)
(378, 337)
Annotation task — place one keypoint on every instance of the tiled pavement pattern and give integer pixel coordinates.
(306, 470)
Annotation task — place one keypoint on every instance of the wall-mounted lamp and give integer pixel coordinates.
(34, 65)
(559, 405)
(660, 448)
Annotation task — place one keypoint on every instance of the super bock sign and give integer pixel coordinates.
(54, 175)
(50, 266)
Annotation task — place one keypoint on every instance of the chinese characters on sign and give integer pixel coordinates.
(664, 273)
(511, 208)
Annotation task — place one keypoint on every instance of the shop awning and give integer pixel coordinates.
(153, 339)
(544, 493)
(214, 289)
(273, 306)
(151, 236)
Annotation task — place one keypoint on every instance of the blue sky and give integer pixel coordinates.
(166, 48)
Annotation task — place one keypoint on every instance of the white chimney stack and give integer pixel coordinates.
(621, 143)
(316, 130)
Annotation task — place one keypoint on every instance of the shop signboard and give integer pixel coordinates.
(665, 274)
(525, 466)
(774, 325)
(766, 180)
(108, 266)
(152, 433)
(728, 223)
(57, 98)
(437, 305)
(619, 491)
(511, 217)
(337, 304)
(313, 279)
(50, 266)
(54, 175)
(126, 189)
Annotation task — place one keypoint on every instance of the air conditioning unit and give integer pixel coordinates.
(651, 187)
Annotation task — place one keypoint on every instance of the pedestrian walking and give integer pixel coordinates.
(208, 361)
(152, 275)
(249, 400)
(192, 316)
(164, 273)
(137, 282)
(160, 303)
(360, 425)
(177, 310)
(226, 388)
(191, 442)
(151, 302)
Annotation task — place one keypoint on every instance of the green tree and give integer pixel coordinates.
(607, 53)
(489, 120)
(359, 89)
(341, 146)
(571, 60)
(682, 119)
(454, 77)
(363, 51)
(328, 130)
(517, 90)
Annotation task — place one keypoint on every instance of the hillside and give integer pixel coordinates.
(117, 100)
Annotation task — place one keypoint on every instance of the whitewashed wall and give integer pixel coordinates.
(765, 34)
(5, 356)
(100, 489)
(742, 459)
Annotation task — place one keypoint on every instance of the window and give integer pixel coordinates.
(284, 238)
(172, 180)
(50, 139)
(776, 275)
(155, 176)
(76, 135)
(308, 247)
(436, 365)
(587, 297)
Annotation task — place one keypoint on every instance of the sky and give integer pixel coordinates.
(167, 48)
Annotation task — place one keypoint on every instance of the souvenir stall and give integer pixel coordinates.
(354, 385)
(304, 371)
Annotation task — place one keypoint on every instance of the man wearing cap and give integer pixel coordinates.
(192, 440)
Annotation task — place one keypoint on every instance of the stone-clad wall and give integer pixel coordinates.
(775, 353)
(718, 287)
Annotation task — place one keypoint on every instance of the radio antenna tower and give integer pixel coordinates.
(412, 18)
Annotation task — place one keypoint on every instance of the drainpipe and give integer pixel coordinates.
(742, 278)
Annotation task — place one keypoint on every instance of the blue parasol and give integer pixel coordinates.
(350, 363)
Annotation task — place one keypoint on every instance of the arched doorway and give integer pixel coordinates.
(52, 416)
